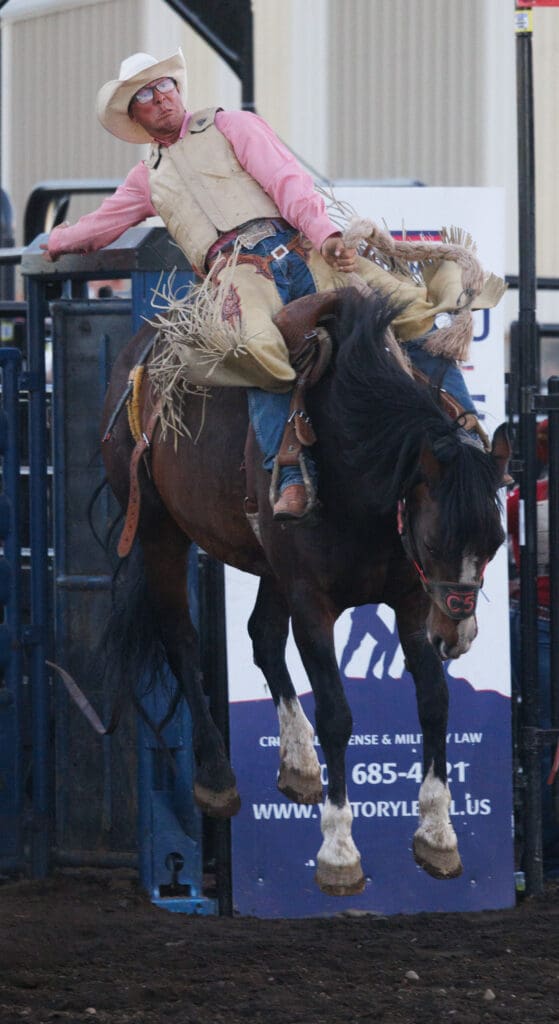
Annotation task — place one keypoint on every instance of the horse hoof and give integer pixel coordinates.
(437, 863)
(217, 805)
(340, 880)
(302, 789)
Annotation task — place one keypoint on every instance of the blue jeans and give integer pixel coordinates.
(443, 373)
(268, 411)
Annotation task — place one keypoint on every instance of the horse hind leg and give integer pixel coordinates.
(299, 776)
(339, 871)
(165, 551)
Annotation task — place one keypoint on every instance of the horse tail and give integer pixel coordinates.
(106, 542)
(132, 649)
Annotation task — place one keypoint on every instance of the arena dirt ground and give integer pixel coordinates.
(89, 947)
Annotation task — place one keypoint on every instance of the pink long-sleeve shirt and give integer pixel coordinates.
(258, 150)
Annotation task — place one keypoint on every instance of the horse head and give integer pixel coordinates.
(450, 524)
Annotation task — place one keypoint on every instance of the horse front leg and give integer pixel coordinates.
(299, 774)
(435, 846)
(339, 871)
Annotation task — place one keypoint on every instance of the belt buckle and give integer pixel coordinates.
(256, 232)
(279, 252)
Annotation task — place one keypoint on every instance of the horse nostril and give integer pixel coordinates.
(440, 647)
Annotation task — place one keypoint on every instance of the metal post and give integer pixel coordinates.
(11, 800)
(529, 382)
(213, 656)
(38, 634)
(553, 504)
(247, 58)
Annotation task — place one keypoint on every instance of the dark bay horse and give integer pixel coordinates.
(409, 516)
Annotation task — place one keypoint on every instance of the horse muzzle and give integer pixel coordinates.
(451, 637)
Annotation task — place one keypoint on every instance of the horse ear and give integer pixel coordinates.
(430, 465)
(501, 451)
(435, 453)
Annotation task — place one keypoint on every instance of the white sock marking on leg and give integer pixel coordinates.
(338, 847)
(297, 750)
(434, 823)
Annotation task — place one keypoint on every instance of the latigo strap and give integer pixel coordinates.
(134, 495)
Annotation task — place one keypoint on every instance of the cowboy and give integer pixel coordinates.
(222, 180)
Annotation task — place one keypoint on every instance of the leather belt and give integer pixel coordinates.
(248, 234)
(278, 253)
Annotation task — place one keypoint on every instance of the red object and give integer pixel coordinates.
(554, 767)
(537, 3)
(542, 441)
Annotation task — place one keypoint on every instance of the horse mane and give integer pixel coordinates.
(384, 418)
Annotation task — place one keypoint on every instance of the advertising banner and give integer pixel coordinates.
(275, 842)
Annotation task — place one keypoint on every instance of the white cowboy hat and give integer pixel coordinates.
(136, 71)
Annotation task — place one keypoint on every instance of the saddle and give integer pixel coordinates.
(303, 325)
(309, 347)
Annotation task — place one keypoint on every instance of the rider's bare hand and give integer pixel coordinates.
(338, 256)
(46, 254)
(45, 245)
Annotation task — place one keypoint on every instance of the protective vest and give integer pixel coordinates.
(200, 190)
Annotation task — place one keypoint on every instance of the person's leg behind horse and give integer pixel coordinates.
(444, 373)
(413, 326)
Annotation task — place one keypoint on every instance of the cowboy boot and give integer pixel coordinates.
(292, 503)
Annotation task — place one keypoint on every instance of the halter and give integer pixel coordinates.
(456, 600)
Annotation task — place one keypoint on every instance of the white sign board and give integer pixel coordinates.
(274, 842)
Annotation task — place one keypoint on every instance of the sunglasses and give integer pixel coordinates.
(146, 94)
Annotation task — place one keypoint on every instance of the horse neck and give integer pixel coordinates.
(338, 483)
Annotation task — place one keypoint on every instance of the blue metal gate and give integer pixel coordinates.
(84, 798)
